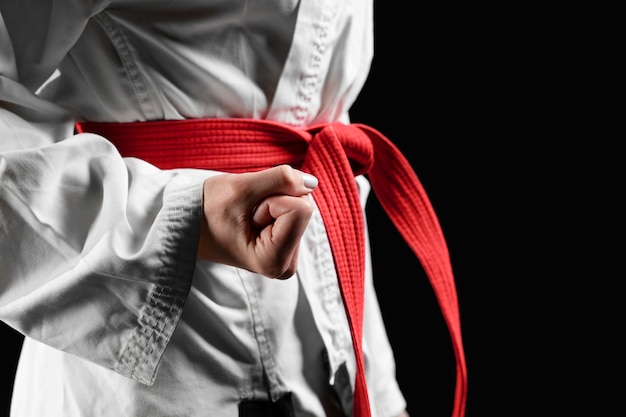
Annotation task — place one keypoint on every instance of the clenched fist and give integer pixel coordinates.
(255, 220)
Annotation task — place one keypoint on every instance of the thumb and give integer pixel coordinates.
(281, 179)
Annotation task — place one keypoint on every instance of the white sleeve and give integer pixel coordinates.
(97, 252)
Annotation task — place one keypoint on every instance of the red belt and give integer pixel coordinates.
(334, 153)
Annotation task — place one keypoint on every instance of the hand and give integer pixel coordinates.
(255, 220)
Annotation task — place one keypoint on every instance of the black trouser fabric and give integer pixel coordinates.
(258, 408)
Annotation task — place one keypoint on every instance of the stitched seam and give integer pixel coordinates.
(309, 81)
(265, 350)
(128, 59)
(164, 305)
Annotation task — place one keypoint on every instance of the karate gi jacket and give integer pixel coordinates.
(98, 252)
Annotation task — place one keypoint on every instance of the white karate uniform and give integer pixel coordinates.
(97, 252)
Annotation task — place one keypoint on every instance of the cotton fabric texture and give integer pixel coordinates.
(120, 319)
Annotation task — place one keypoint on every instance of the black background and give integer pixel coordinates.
(470, 96)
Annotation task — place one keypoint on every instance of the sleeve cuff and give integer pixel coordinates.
(157, 320)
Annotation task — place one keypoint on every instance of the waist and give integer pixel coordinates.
(230, 145)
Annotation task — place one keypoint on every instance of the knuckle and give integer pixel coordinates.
(306, 207)
(288, 175)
